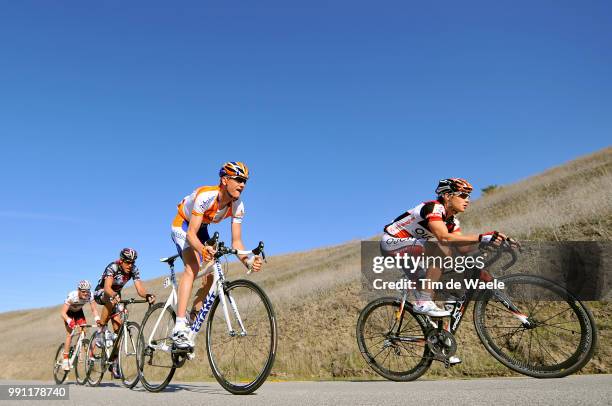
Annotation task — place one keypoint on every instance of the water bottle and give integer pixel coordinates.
(108, 338)
(450, 302)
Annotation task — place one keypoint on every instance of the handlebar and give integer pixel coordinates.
(499, 251)
(132, 300)
(223, 250)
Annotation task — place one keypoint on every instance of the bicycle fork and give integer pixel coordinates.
(505, 300)
(219, 282)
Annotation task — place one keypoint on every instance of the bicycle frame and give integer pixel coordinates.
(112, 352)
(215, 290)
(461, 304)
(79, 343)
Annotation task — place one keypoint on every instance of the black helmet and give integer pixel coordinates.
(128, 255)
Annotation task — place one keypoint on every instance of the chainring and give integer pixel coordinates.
(442, 344)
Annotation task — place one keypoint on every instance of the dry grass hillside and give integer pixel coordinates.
(317, 298)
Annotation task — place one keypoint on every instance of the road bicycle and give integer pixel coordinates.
(241, 331)
(105, 347)
(77, 357)
(533, 326)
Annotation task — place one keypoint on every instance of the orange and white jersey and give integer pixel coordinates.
(204, 201)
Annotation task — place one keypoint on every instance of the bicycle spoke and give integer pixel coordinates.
(552, 317)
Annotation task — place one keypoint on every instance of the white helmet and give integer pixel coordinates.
(84, 285)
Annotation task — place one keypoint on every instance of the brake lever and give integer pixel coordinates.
(260, 251)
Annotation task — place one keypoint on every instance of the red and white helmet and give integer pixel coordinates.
(453, 185)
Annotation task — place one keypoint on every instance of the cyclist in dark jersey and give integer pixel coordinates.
(115, 276)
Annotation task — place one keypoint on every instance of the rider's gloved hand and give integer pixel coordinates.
(491, 238)
(254, 263)
(207, 253)
(514, 244)
(150, 298)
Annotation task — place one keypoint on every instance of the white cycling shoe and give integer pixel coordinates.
(454, 360)
(65, 365)
(429, 308)
(182, 338)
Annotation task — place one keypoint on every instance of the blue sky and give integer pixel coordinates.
(347, 113)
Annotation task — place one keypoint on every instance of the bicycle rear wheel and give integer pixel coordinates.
(562, 337)
(96, 361)
(395, 353)
(154, 356)
(80, 362)
(241, 360)
(59, 375)
(128, 365)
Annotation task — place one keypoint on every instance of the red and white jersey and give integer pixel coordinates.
(415, 222)
(204, 201)
(75, 303)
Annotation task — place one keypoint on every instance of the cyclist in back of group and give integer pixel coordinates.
(205, 205)
(108, 292)
(73, 316)
(434, 220)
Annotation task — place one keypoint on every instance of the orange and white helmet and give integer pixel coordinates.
(453, 185)
(234, 169)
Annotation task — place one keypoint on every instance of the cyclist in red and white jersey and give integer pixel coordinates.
(73, 316)
(434, 220)
(205, 205)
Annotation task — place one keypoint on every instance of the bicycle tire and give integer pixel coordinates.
(148, 378)
(80, 361)
(96, 362)
(384, 311)
(128, 364)
(59, 375)
(489, 318)
(259, 321)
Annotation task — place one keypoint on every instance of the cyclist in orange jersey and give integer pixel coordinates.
(205, 205)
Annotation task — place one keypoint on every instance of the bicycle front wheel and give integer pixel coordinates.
(80, 362)
(154, 354)
(396, 352)
(560, 337)
(58, 373)
(241, 359)
(96, 361)
(128, 365)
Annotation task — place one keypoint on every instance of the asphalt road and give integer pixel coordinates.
(573, 390)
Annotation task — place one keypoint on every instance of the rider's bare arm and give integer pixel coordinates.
(64, 313)
(94, 310)
(140, 289)
(439, 230)
(192, 236)
(239, 245)
(108, 286)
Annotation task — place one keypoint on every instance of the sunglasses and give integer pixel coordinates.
(128, 262)
(462, 195)
(239, 179)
